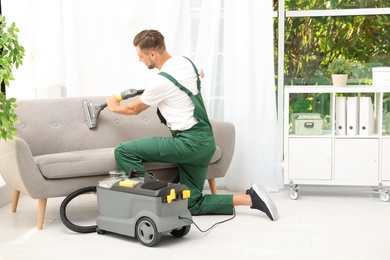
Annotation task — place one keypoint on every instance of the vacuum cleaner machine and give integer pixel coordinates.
(141, 207)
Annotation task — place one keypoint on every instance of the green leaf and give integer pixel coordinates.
(11, 57)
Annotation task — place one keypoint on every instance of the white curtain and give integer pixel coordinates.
(100, 58)
(208, 38)
(40, 35)
(249, 87)
(243, 32)
(85, 46)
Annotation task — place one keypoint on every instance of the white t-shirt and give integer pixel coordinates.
(174, 104)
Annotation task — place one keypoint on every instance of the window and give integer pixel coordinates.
(312, 42)
(310, 34)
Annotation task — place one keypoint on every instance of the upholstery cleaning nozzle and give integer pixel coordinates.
(92, 111)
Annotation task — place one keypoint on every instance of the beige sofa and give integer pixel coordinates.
(56, 153)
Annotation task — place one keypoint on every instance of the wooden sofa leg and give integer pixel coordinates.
(15, 199)
(41, 212)
(213, 186)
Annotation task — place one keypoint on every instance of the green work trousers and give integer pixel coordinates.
(192, 150)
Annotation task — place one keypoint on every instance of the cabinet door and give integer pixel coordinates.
(356, 159)
(385, 159)
(310, 158)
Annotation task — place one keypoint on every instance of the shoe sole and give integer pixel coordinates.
(267, 200)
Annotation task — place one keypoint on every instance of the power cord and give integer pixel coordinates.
(217, 223)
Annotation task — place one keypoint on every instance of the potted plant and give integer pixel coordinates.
(340, 69)
(11, 55)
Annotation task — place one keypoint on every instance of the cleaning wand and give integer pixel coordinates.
(92, 111)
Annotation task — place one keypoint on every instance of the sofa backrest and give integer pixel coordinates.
(59, 125)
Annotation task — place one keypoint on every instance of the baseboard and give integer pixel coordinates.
(5, 195)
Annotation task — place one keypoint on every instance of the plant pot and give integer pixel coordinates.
(339, 80)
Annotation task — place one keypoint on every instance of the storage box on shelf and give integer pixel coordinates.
(381, 76)
(352, 152)
(307, 123)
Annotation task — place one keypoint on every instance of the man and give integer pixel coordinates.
(175, 91)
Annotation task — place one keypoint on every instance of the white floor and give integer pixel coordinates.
(323, 223)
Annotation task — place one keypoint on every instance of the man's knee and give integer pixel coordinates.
(123, 151)
(118, 151)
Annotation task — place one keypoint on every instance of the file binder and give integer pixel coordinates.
(341, 115)
(352, 115)
(366, 116)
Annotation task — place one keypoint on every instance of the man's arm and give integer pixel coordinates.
(130, 108)
(201, 74)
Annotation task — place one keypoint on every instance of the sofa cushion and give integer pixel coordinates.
(90, 163)
(76, 164)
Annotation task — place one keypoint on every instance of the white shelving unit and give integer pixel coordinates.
(330, 159)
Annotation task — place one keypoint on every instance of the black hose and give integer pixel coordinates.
(64, 218)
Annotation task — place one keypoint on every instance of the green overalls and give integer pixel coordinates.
(191, 149)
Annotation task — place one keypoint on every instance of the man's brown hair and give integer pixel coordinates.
(148, 40)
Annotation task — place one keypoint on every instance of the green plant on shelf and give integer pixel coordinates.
(340, 66)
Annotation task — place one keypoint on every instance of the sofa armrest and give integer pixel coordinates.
(17, 167)
(225, 134)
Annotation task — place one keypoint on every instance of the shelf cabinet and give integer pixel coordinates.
(356, 159)
(310, 158)
(335, 157)
(385, 159)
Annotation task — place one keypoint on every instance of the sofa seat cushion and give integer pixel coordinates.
(90, 163)
(76, 164)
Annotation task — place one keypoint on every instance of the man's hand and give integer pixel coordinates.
(130, 108)
(112, 102)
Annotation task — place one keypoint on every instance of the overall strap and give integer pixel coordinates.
(196, 71)
(174, 81)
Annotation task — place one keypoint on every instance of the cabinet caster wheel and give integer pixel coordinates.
(384, 196)
(294, 194)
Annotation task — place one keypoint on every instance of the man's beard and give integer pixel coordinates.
(152, 66)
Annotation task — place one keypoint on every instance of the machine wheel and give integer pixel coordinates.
(293, 194)
(101, 231)
(146, 232)
(385, 196)
(181, 232)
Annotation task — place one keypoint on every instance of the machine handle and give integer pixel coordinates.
(129, 93)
